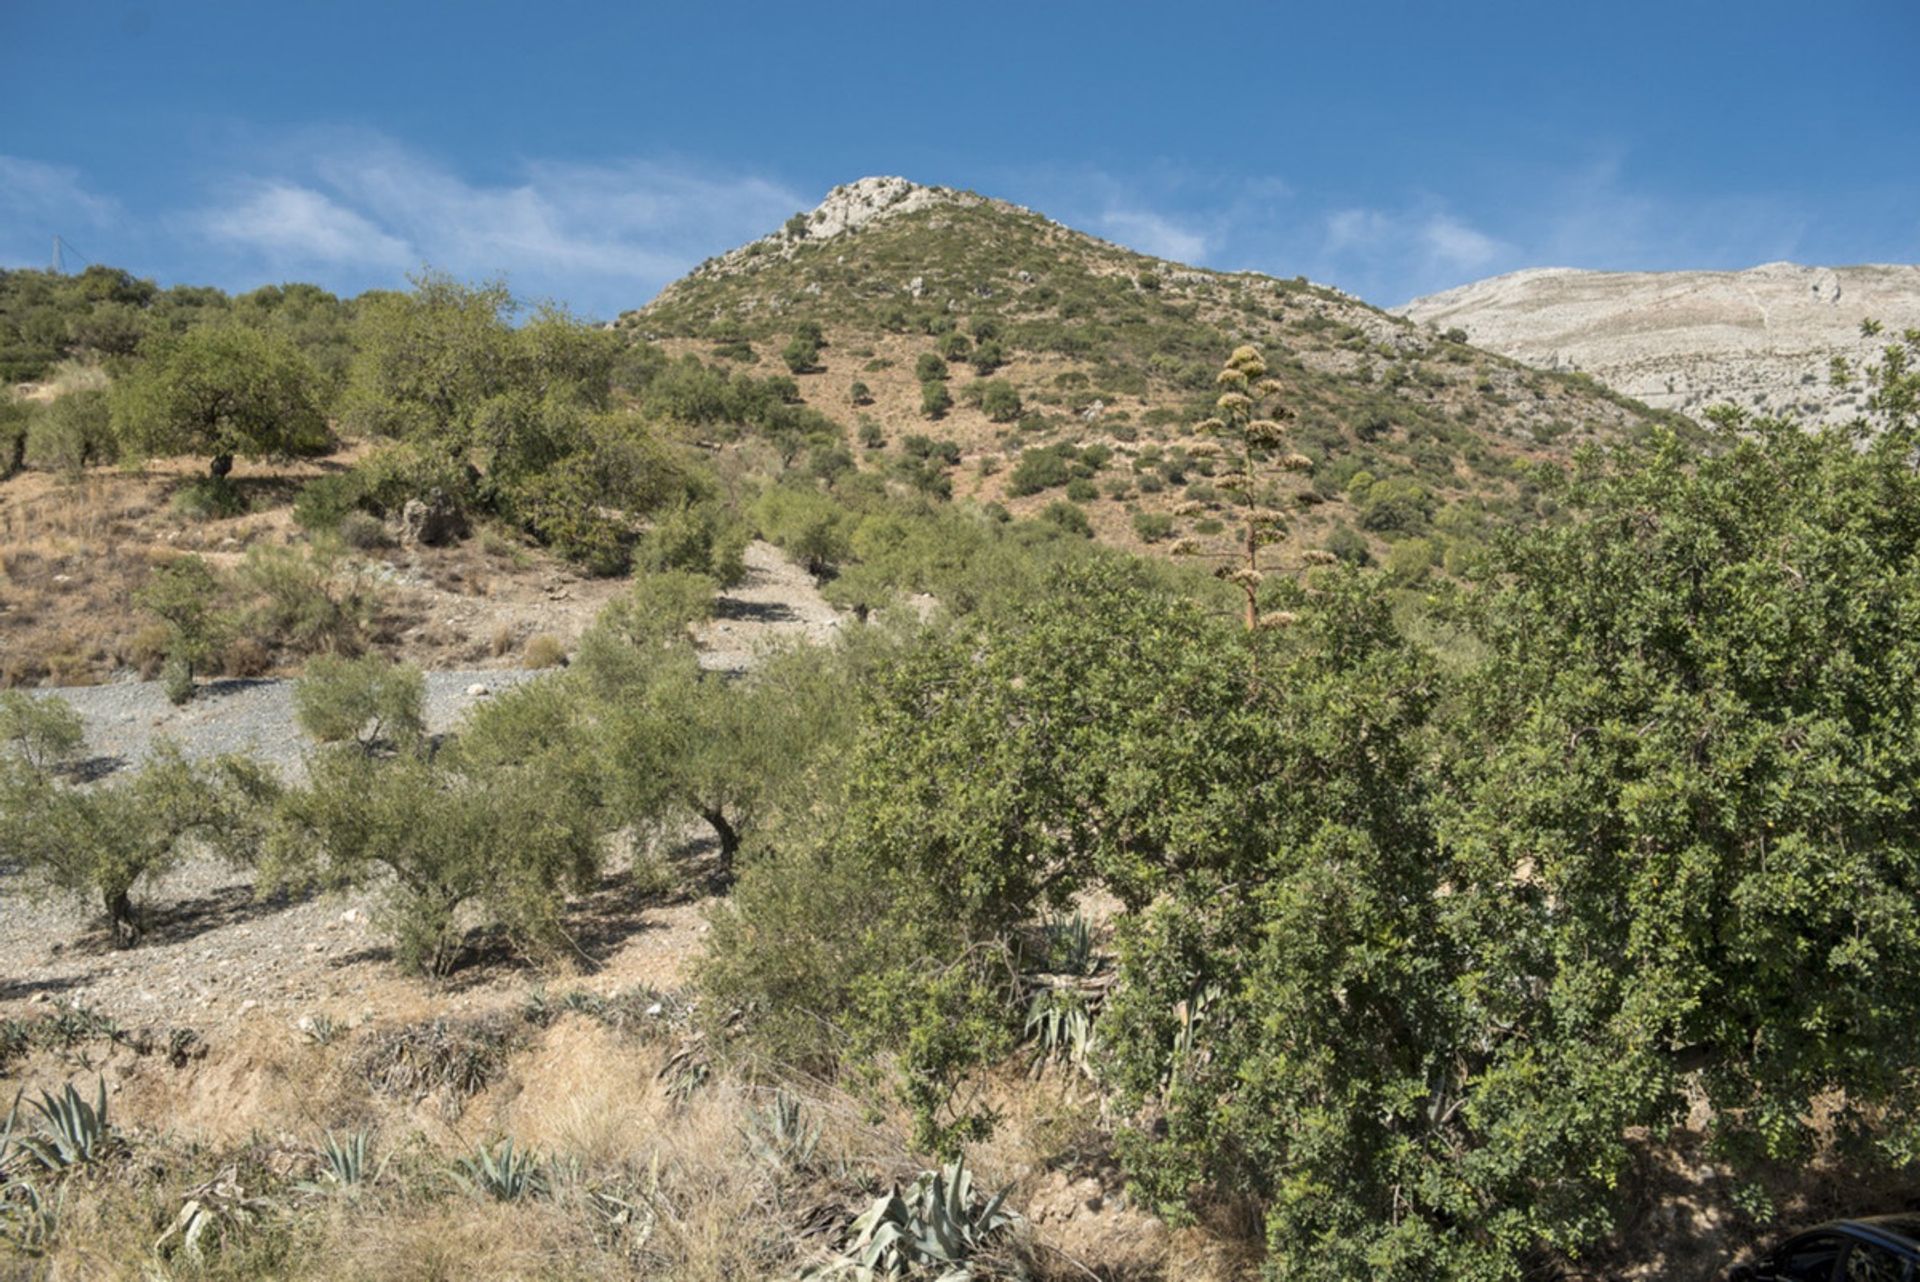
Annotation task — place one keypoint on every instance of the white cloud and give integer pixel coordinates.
(1452, 242)
(602, 237)
(33, 189)
(293, 226)
(1154, 234)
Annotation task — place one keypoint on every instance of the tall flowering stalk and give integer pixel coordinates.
(1247, 426)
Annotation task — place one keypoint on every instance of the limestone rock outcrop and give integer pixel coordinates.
(1762, 339)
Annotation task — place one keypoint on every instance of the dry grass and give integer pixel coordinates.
(643, 1182)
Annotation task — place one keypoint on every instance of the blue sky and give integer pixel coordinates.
(591, 153)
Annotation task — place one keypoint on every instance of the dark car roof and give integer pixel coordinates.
(1899, 1232)
(1905, 1227)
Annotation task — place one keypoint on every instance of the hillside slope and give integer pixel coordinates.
(1112, 355)
(1762, 338)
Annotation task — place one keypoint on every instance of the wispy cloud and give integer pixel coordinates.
(34, 189)
(602, 237)
(294, 227)
(39, 201)
(1155, 234)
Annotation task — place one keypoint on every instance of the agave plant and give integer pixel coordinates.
(1070, 945)
(781, 1134)
(1060, 1026)
(502, 1172)
(347, 1159)
(76, 1132)
(936, 1227)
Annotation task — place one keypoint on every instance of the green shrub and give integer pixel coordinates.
(184, 594)
(368, 700)
(955, 347)
(208, 498)
(1081, 490)
(1000, 401)
(437, 835)
(935, 400)
(70, 432)
(930, 368)
(800, 355)
(1152, 527)
(310, 600)
(701, 538)
(860, 394)
(1070, 517)
(1037, 469)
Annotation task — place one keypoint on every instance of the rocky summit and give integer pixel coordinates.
(1763, 339)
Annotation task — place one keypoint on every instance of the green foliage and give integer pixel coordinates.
(71, 431)
(105, 842)
(1038, 469)
(502, 1173)
(437, 833)
(930, 368)
(220, 390)
(184, 595)
(311, 599)
(698, 538)
(1000, 401)
(1152, 527)
(679, 742)
(801, 354)
(368, 700)
(1067, 516)
(935, 399)
(808, 524)
(74, 1133)
(43, 733)
(1397, 505)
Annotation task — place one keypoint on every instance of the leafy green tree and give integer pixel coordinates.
(441, 833)
(220, 390)
(185, 595)
(427, 359)
(42, 733)
(104, 843)
(368, 700)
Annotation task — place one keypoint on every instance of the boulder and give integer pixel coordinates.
(433, 521)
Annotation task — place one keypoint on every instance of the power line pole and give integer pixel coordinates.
(57, 267)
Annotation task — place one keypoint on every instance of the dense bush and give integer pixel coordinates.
(367, 700)
(935, 399)
(71, 431)
(439, 834)
(1037, 469)
(221, 391)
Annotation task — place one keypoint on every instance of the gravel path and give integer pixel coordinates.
(125, 719)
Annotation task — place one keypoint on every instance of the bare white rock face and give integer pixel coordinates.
(1762, 339)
